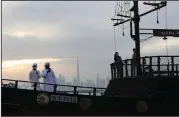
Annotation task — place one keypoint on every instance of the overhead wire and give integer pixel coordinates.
(166, 23)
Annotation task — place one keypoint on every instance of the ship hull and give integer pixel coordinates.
(25, 102)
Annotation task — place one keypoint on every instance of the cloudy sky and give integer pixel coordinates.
(60, 31)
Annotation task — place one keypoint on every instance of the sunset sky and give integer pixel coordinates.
(59, 31)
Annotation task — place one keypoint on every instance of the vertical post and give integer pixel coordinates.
(94, 92)
(143, 65)
(177, 70)
(151, 61)
(137, 37)
(172, 61)
(35, 86)
(55, 88)
(132, 68)
(126, 69)
(112, 71)
(114, 68)
(16, 84)
(74, 90)
(158, 65)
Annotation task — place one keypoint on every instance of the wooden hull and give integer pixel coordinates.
(24, 102)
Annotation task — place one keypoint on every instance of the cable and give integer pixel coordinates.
(166, 22)
(165, 37)
(114, 39)
(145, 39)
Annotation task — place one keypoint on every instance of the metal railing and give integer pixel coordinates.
(149, 66)
(93, 90)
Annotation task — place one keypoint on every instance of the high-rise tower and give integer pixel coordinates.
(78, 72)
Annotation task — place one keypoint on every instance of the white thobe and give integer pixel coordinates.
(34, 77)
(49, 78)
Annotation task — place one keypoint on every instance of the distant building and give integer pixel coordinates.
(75, 82)
(102, 83)
(90, 83)
(97, 81)
(78, 73)
(69, 83)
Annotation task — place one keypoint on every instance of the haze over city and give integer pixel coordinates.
(59, 31)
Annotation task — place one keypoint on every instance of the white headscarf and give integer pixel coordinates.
(34, 64)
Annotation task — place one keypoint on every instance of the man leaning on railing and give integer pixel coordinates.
(118, 64)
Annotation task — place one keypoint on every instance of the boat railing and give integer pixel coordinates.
(149, 66)
(70, 89)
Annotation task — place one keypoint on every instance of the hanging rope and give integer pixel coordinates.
(166, 23)
(157, 18)
(114, 39)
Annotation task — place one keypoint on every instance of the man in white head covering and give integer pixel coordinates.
(49, 78)
(34, 75)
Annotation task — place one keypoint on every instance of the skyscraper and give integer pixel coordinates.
(78, 73)
(97, 80)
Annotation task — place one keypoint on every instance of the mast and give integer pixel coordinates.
(136, 20)
(78, 72)
(137, 37)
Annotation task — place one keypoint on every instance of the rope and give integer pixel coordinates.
(145, 39)
(114, 39)
(166, 22)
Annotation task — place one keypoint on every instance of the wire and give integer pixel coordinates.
(166, 22)
(114, 39)
(145, 39)
(166, 28)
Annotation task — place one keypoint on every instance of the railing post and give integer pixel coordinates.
(112, 73)
(158, 64)
(55, 88)
(94, 92)
(143, 66)
(1, 82)
(126, 70)
(177, 70)
(35, 86)
(150, 61)
(168, 70)
(16, 84)
(74, 90)
(172, 62)
(132, 70)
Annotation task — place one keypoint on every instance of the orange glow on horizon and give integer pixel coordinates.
(13, 63)
(19, 69)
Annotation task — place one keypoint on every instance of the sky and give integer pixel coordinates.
(59, 31)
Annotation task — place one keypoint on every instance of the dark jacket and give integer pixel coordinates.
(118, 61)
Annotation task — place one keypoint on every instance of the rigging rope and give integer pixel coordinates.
(114, 39)
(166, 23)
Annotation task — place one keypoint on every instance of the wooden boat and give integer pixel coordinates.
(149, 94)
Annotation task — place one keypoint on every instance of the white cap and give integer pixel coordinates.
(47, 63)
(34, 64)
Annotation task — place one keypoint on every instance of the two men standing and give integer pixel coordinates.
(119, 64)
(47, 74)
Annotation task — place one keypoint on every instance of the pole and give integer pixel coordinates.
(137, 37)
